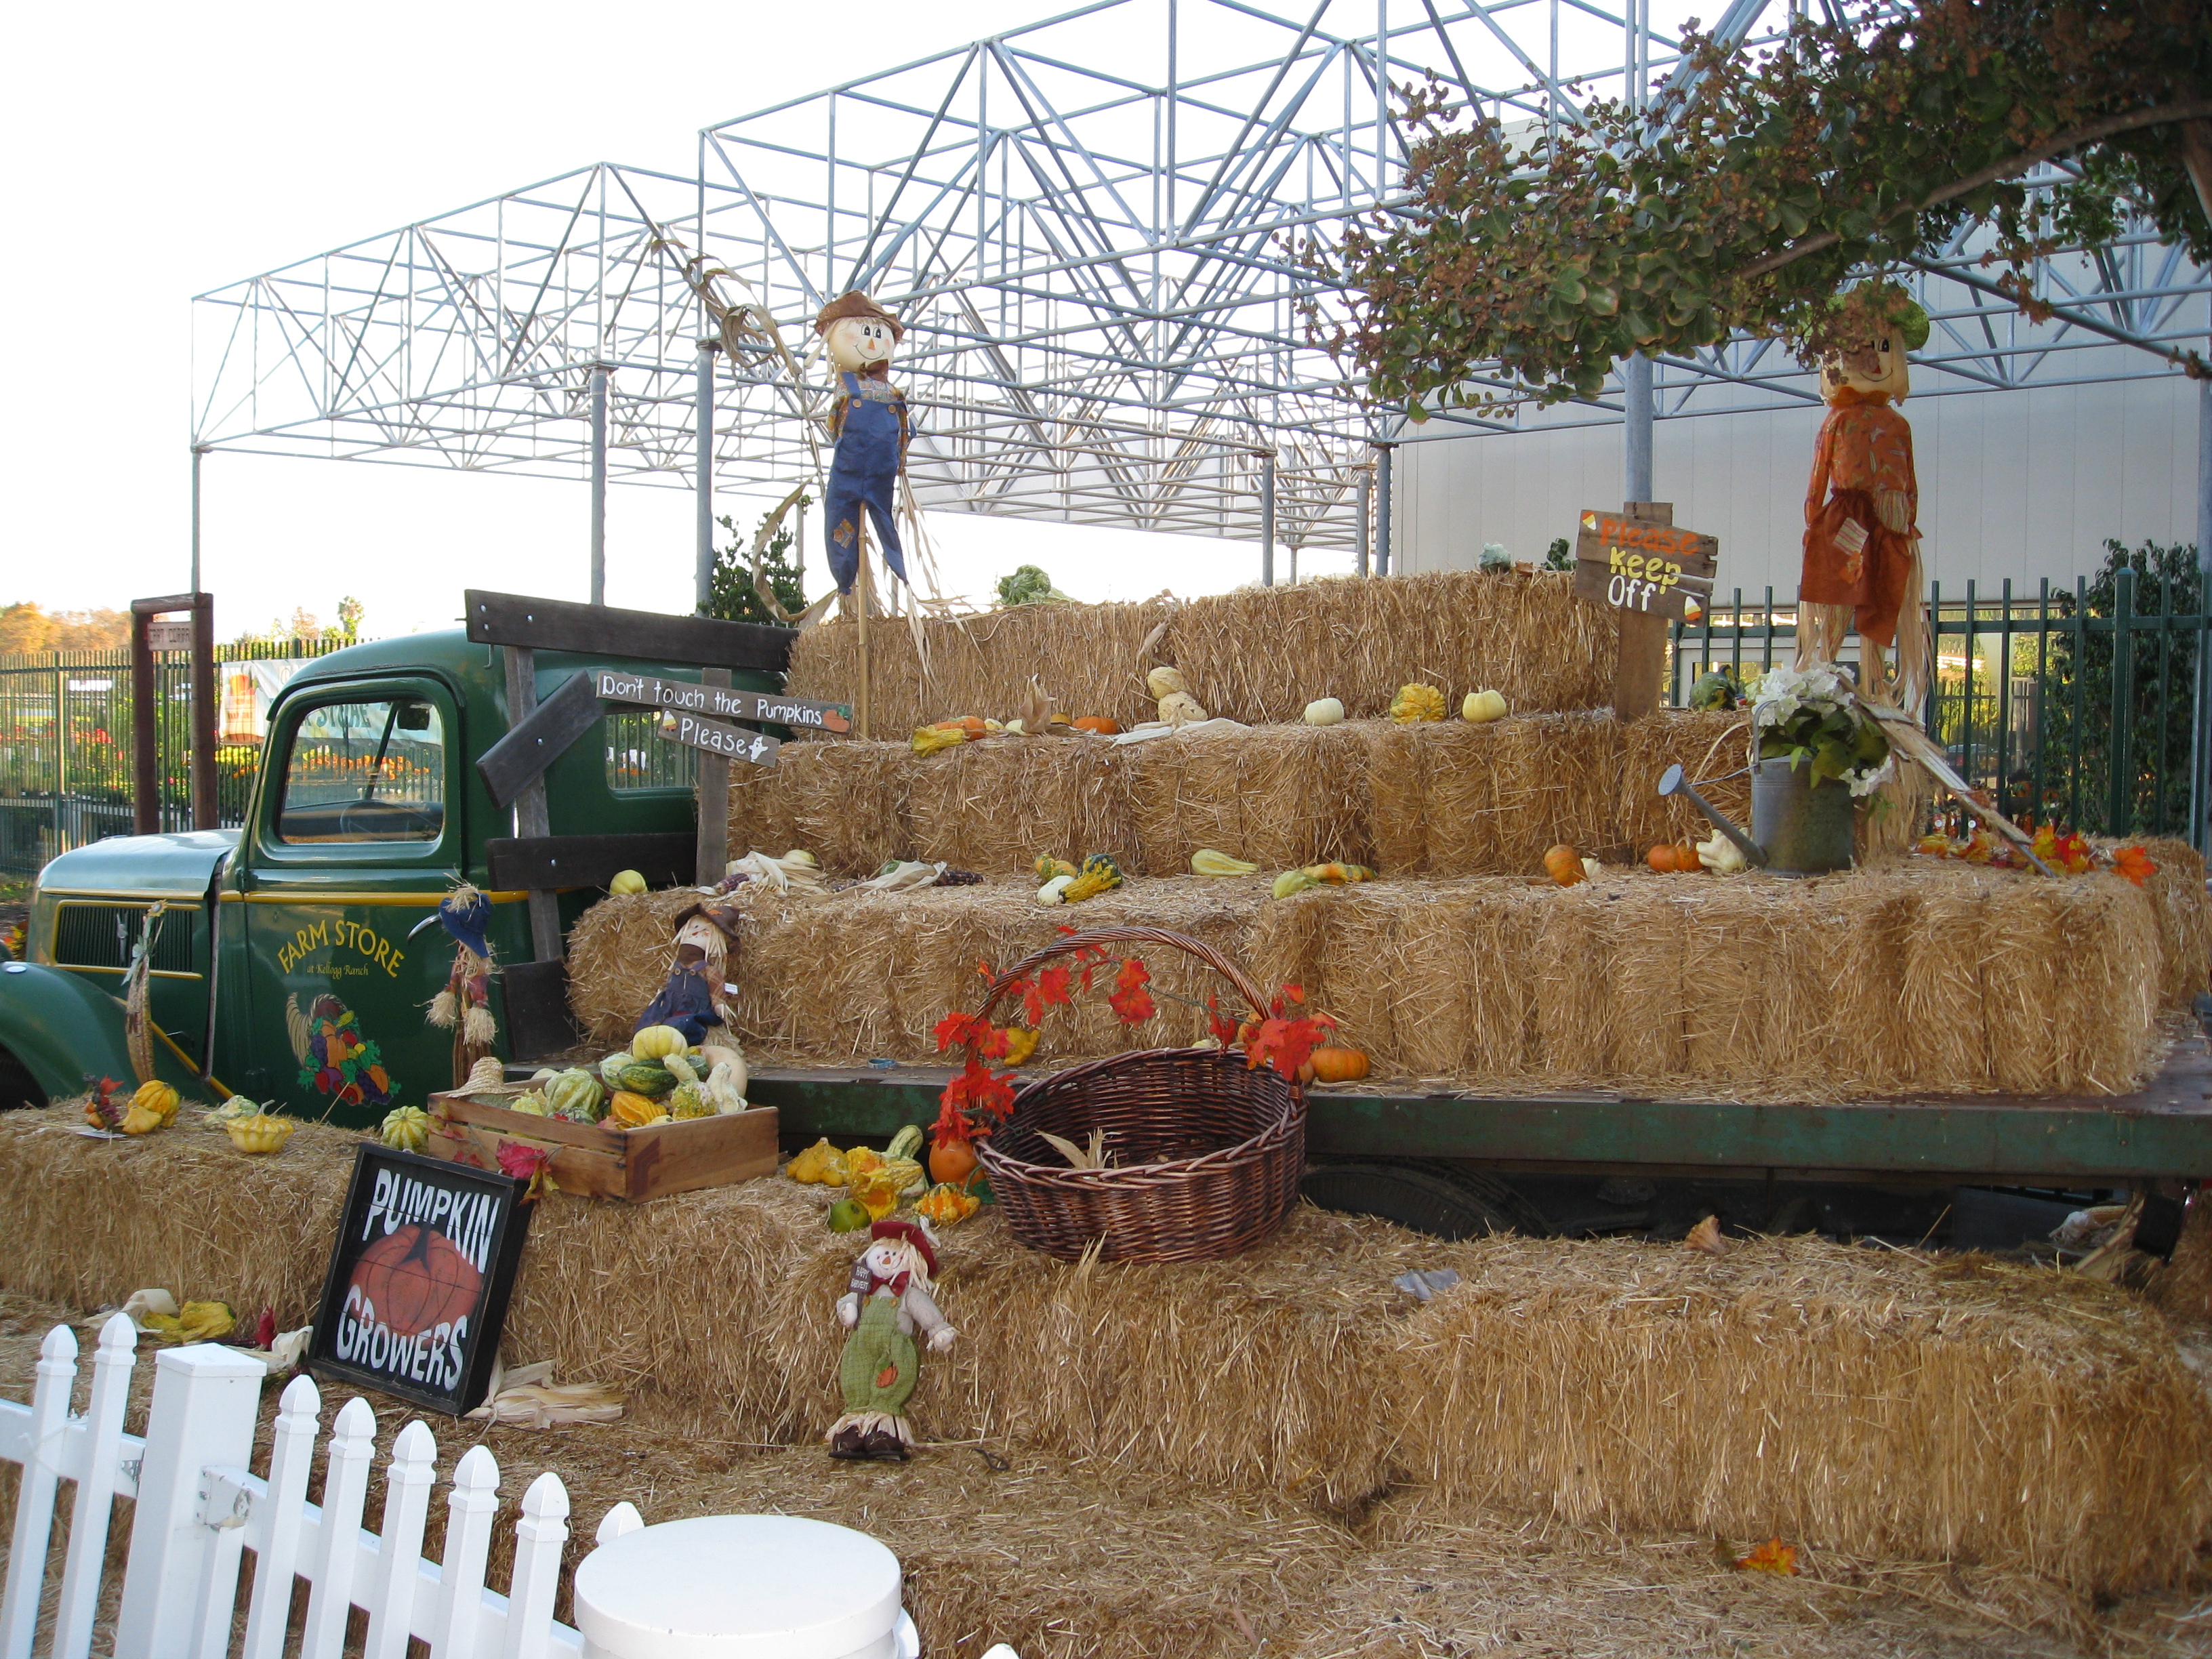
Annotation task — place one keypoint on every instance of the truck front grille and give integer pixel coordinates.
(104, 935)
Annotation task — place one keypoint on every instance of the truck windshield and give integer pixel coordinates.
(365, 771)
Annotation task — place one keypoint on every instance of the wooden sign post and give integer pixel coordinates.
(1637, 563)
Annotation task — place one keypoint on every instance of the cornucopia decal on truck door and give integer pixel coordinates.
(335, 1058)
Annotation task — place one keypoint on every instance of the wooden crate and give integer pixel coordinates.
(598, 1160)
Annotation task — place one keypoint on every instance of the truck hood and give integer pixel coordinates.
(153, 866)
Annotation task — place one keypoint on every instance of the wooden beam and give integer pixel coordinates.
(538, 1021)
(206, 812)
(529, 815)
(533, 742)
(598, 630)
(1643, 658)
(712, 845)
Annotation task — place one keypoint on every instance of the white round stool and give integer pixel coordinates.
(742, 1587)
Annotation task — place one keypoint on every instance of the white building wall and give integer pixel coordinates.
(2019, 485)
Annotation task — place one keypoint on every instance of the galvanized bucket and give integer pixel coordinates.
(1805, 826)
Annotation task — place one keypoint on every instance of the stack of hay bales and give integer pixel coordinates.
(1257, 655)
(1928, 975)
(1881, 1403)
(1432, 799)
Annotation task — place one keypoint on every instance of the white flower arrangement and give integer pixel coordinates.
(1811, 716)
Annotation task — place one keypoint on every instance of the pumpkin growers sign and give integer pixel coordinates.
(419, 1279)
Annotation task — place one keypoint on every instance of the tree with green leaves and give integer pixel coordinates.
(1758, 186)
(732, 593)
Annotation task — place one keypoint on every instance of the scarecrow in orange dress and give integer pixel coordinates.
(1861, 538)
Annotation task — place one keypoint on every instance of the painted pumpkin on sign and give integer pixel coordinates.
(417, 1280)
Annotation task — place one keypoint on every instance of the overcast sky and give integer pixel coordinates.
(161, 150)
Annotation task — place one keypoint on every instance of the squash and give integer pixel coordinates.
(1325, 711)
(640, 1078)
(1100, 875)
(820, 1165)
(626, 882)
(1207, 862)
(951, 1162)
(725, 1087)
(264, 1133)
(688, 1100)
(1480, 708)
(878, 1192)
(906, 1143)
(1416, 703)
(532, 1103)
(158, 1097)
(659, 1042)
(1671, 858)
(1295, 881)
(1055, 890)
(1564, 866)
(632, 1110)
(141, 1121)
(1021, 1043)
(943, 1206)
(576, 1096)
(406, 1128)
(1337, 1065)
(1099, 725)
(1047, 867)
(929, 740)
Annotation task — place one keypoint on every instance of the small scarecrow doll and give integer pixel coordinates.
(888, 1299)
(1861, 541)
(697, 995)
(868, 425)
(463, 1007)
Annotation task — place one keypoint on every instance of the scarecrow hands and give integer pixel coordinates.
(849, 1310)
(941, 1339)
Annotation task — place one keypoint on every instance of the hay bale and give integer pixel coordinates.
(1262, 654)
(1085, 655)
(1928, 976)
(2182, 910)
(1637, 1386)
(1709, 745)
(1257, 655)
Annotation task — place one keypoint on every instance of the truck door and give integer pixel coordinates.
(356, 836)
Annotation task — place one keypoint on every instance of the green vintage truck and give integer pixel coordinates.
(285, 966)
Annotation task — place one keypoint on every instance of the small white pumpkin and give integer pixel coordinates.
(1480, 708)
(657, 1043)
(1325, 711)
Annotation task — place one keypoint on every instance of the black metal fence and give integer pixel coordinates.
(66, 744)
(2077, 708)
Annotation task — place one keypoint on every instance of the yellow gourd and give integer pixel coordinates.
(264, 1133)
(1416, 703)
(862, 1161)
(626, 882)
(878, 1192)
(657, 1043)
(156, 1097)
(1207, 862)
(633, 1111)
(1021, 1043)
(1480, 708)
(820, 1165)
(1100, 875)
(943, 1204)
(141, 1119)
(929, 740)
(1048, 866)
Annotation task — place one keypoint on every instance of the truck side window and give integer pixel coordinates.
(365, 771)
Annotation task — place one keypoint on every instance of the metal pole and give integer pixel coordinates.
(1366, 524)
(1267, 518)
(197, 452)
(599, 484)
(1382, 509)
(2201, 772)
(704, 576)
(1635, 401)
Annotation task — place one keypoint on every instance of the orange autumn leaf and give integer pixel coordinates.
(2135, 863)
(1772, 1556)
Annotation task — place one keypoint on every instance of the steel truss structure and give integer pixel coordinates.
(1085, 225)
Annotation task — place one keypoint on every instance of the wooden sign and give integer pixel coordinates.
(419, 1279)
(716, 739)
(164, 635)
(1633, 564)
(722, 703)
(600, 631)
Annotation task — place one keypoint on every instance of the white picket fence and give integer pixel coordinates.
(197, 1506)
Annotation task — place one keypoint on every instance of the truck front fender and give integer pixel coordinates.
(63, 1030)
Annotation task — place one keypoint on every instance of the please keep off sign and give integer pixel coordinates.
(1652, 569)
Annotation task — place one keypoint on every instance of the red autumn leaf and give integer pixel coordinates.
(1772, 1556)
(2135, 863)
(1223, 1029)
(529, 1164)
(2074, 853)
(978, 1089)
(1285, 1044)
(1131, 1000)
(993, 1044)
(957, 1030)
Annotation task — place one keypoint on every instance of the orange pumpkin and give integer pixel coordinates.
(1564, 866)
(415, 1280)
(1339, 1065)
(952, 1162)
(1098, 723)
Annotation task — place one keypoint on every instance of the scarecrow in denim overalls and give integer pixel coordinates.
(868, 425)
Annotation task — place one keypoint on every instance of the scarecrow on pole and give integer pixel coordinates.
(868, 425)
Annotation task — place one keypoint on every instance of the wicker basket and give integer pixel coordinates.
(1207, 1151)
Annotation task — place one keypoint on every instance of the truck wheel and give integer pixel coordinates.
(17, 1086)
(1445, 1203)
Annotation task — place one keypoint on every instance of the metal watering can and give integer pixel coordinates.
(1799, 827)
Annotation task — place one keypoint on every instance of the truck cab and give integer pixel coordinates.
(284, 965)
